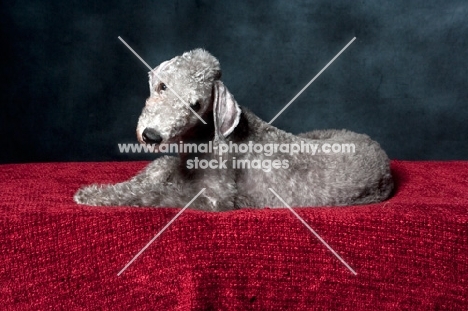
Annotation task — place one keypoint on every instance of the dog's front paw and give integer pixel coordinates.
(89, 195)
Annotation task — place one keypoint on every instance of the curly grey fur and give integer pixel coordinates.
(311, 180)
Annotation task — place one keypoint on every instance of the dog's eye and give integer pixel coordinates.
(162, 87)
(195, 106)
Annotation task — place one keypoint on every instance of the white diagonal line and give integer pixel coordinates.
(313, 79)
(315, 233)
(136, 54)
(168, 86)
(160, 232)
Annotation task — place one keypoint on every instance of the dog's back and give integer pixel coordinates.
(339, 168)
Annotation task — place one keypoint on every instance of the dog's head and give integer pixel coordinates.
(184, 91)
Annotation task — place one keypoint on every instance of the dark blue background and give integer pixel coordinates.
(70, 90)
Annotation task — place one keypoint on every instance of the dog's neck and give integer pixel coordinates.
(205, 133)
(201, 133)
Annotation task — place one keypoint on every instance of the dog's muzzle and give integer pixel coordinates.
(151, 136)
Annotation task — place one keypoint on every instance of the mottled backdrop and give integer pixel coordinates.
(70, 90)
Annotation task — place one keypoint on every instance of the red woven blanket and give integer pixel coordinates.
(410, 252)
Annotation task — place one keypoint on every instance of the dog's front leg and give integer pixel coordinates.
(163, 184)
(166, 194)
(140, 190)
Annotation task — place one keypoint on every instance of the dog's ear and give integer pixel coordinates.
(226, 111)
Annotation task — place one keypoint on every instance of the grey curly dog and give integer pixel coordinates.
(191, 83)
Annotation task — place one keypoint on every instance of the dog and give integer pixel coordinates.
(189, 104)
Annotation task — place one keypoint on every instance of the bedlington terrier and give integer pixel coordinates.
(248, 155)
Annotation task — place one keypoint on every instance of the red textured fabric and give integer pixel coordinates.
(410, 253)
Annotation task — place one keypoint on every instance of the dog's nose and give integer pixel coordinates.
(151, 136)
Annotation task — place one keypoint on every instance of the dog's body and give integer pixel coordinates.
(302, 179)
